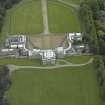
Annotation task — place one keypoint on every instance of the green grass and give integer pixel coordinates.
(74, 1)
(78, 59)
(36, 62)
(23, 62)
(66, 86)
(62, 18)
(24, 18)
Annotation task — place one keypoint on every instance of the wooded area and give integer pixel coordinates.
(5, 83)
(93, 16)
(4, 5)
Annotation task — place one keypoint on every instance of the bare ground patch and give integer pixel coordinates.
(46, 41)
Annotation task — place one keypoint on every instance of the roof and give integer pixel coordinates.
(16, 39)
(49, 54)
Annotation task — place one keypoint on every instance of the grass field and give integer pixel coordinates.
(36, 62)
(62, 18)
(24, 18)
(26, 62)
(66, 86)
(78, 59)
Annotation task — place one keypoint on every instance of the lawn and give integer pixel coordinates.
(24, 18)
(66, 86)
(23, 62)
(78, 59)
(37, 62)
(62, 18)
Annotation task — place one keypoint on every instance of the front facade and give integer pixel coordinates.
(48, 57)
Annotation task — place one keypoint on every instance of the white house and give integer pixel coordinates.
(48, 57)
(75, 36)
(16, 41)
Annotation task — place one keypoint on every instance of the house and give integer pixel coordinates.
(34, 53)
(48, 57)
(15, 41)
(8, 52)
(75, 36)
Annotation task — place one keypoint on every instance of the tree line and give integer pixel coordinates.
(5, 84)
(99, 66)
(4, 5)
(92, 13)
(5, 81)
(90, 34)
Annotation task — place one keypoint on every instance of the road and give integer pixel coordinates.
(45, 16)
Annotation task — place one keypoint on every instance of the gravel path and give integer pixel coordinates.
(45, 16)
(75, 6)
(14, 67)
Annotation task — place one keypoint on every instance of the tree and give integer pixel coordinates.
(88, 21)
(5, 83)
(101, 4)
(102, 46)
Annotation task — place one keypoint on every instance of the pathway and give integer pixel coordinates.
(75, 6)
(14, 67)
(45, 16)
(63, 61)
